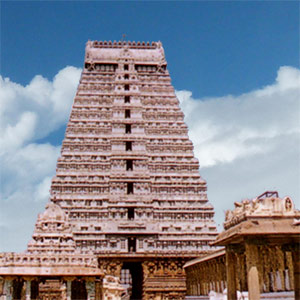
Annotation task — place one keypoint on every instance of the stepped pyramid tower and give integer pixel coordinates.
(127, 180)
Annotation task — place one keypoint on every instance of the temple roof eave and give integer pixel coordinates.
(49, 271)
(215, 254)
(271, 229)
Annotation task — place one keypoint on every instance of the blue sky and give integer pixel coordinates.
(235, 65)
(213, 48)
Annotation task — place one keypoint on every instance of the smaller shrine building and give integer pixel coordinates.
(260, 253)
(52, 268)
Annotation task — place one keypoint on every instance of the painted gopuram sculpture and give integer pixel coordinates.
(127, 207)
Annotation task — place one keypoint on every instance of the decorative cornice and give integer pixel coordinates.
(123, 44)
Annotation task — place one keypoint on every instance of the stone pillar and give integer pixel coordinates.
(63, 289)
(252, 271)
(68, 291)
(266, 268)
(281, 267)
(8, 286)
(90, 288)
(69, 288)
(98, 290)
(231, 274)
(28, 289)
(242, 274)
(296, 265)
(289, 261)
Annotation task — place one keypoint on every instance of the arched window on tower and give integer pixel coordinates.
(128, 146)
(128, 128)
(129, 188)
(127, 113)
(129, 164)
(132, 244)
(130, 213)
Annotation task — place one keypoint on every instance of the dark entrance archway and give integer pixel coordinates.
(17, 288)
(132, 277)
(78, 291)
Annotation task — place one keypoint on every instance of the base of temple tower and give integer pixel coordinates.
(148, 278)
(131, 276)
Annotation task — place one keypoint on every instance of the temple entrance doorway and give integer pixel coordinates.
(78, 291)
(132, 279)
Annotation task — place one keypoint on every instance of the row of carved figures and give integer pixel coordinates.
(85, 130)
(94, 77)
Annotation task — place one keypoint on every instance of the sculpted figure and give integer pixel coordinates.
(228, 215)
(63, 290)
(288, 204)
(246, 205)
(238, 208)
(254, 204)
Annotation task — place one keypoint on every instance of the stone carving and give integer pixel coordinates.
(8, 288)
(288, 204)
(53, 232)
(90, 288)
(111, 267)
(112, 289)
(264, 205)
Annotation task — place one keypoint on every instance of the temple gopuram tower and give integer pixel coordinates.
(127, 178)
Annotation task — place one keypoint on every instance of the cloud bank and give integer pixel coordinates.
(27, 114)
(225, 129)
(245, 144)
(32, 112)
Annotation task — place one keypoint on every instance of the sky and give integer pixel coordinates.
(234, 66)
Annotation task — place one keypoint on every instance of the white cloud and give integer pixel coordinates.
(227, 128)
(15, 135)
(32, 112)
(42, 190)
(26, 175)
(27, 114)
